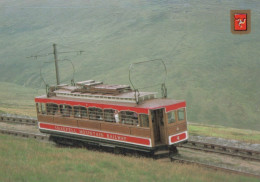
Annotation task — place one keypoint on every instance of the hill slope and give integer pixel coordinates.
(215, 71)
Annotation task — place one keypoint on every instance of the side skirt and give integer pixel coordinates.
(96, 141)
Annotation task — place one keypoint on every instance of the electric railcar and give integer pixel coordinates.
(108, 115)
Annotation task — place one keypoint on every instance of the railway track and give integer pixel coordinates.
(13, 119)
(23, 134)
(218, 168)
(222, 149)
(18, 119)
(194, 145)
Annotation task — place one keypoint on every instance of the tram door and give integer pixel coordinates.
(158, 126)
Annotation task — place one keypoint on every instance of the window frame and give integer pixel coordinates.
(141, 122)
(95, 114)
(86, 109)
(37, 108)
(175, 116)
(176, 111)
(184, 114)
(129, 122)
(80, 111)
(106, 117)
(76, 110)
(52, 111)
(43, 108)
(66, 113)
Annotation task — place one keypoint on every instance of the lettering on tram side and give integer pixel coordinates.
(90, 133)
(66, 129)
(116, 137)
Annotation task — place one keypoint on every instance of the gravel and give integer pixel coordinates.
(225, 142)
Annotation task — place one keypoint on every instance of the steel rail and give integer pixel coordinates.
(18, 120)
(24, 134)
(222, 149)
(214, 167)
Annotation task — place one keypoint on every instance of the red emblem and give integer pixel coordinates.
(240, 22)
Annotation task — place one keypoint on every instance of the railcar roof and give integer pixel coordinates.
(151, 103)
(93, 90)
(120, 95)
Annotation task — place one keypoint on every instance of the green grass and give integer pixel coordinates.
(30, 160)
(17, 99)
(216, 72)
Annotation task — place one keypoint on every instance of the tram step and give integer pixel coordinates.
(165, 159)
(161, 152)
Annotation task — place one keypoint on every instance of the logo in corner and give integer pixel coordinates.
(240, 21)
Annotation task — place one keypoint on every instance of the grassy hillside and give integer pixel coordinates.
(29, 160)
(216, 72)
(17, 99)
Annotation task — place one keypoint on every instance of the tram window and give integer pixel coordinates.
(95, 113)
(83, 111)
(37, 108)
(92, 113)
(80, 112)
(144, 120)
(77, 112)
(128, 117)
(109, 115)
(65, 110)
(52, 109)
(181, 114)
(43, 108)
(171, 117)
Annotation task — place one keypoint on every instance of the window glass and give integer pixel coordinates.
(109, 115)
(65, 110)
(52, 109)
(37, 108)
(99, 114)
(92, 113)
(128, 117)
(80, 112)
(43, 108)
(77, 112)
(181, 114)
(153, 117)
(144, 120)
(171, 117)
(95, 113)
(83, 112)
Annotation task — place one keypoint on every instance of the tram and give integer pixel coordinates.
(109, 115)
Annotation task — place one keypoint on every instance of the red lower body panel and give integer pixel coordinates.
(97, 134)
(178, 138)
